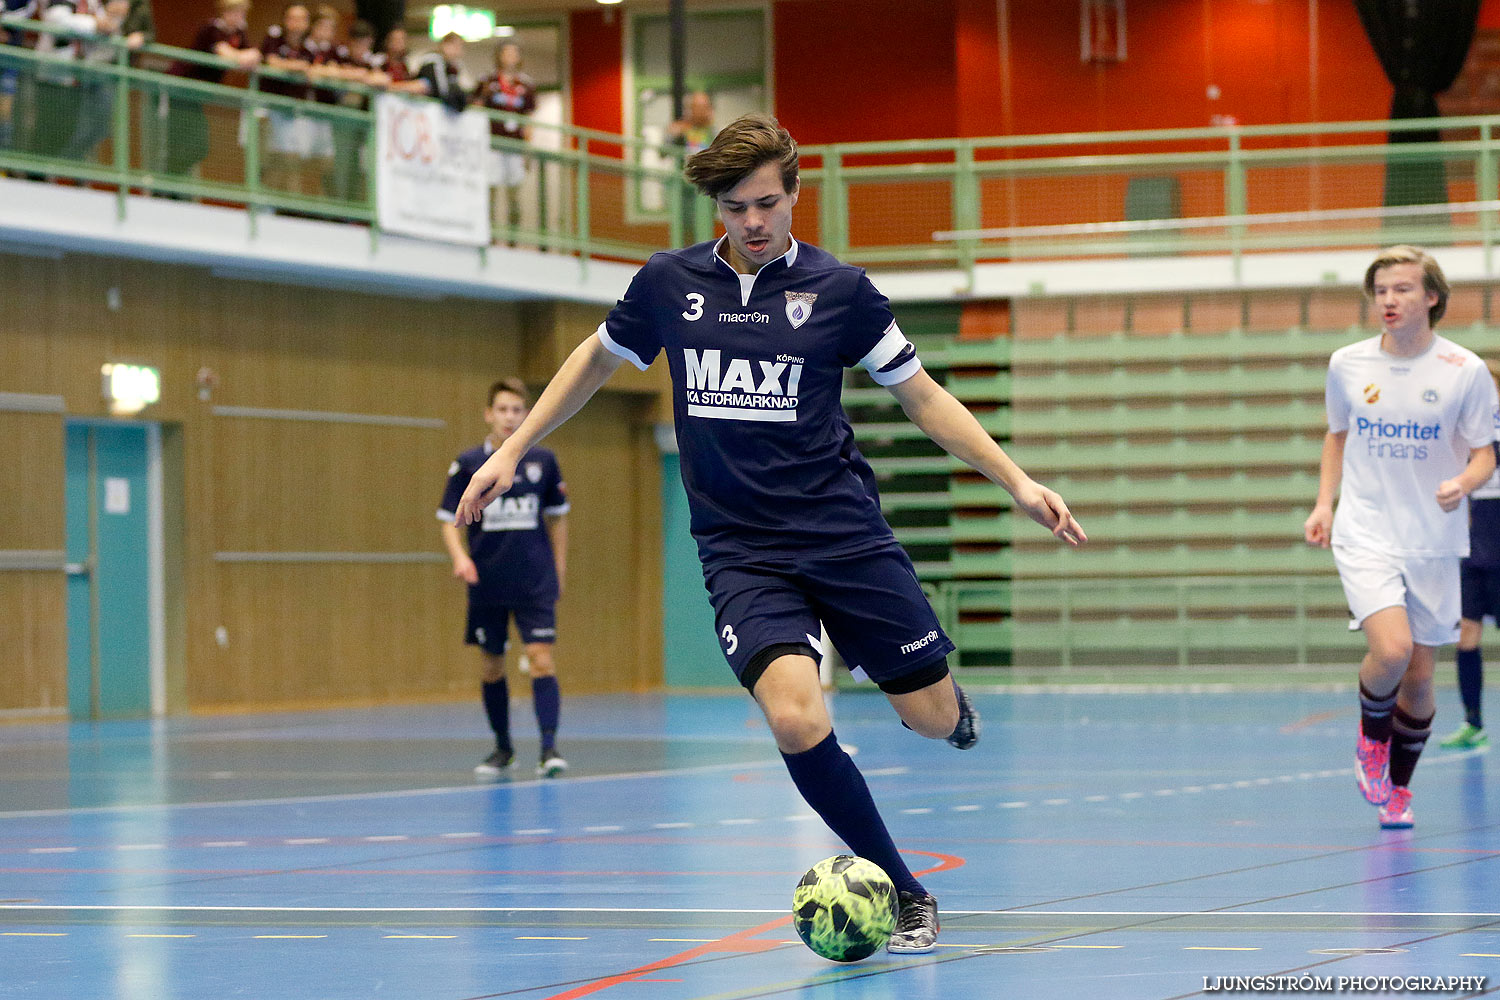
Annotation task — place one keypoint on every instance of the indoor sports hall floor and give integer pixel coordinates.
(1111, 845)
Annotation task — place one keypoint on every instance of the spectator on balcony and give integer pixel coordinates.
(96, 90)
(186, 120)
(694, 130)
(356, 59)
(288, 134)
(140, 24)
(324, 65)
(691, 134)
(391, 59)
(441, 72)
(508, 89)
(10, 77)
(62, 94)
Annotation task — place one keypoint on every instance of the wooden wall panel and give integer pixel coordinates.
(33, 642)
(31, 479)
(33, 628)
(323, 633)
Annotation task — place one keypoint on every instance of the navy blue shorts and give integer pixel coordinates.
(871, 604)
(1479, 587)
(488, 626)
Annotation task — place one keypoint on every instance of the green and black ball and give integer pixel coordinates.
(844, 908)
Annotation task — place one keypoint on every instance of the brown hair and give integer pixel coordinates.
(743, 147)
(511, 385)
(222, 6)
(1432, 275)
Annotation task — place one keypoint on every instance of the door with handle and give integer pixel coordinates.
(113, 502)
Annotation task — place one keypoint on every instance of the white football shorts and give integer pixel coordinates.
(1427, 587)
(506, 169)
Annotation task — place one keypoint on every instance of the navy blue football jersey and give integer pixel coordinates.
(757, 364)
(509, 544)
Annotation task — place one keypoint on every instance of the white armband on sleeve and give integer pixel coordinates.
(893, 359)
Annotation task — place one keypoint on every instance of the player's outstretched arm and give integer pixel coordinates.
(1318, 528)
(947, 422)
(586, 370)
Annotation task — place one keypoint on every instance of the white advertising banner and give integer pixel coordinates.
(430, 174)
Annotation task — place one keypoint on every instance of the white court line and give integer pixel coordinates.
(403, 793)
(916, 811)
(154, 908)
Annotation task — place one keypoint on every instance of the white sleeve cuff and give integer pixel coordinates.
(889, 345)
(617, 350)
(898, 375)
(447, 516)
(557, 511)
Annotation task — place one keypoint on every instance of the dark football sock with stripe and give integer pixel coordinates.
(1408, 737)
(1375, 713)
(1471, 684)
(547, 700)
(497, 707)
(833, 786)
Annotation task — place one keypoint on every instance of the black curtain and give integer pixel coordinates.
(383, 15)
(1421, 45)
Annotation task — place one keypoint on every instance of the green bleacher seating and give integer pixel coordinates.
(1191, 459)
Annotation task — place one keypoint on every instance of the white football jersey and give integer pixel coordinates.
(1411, 424)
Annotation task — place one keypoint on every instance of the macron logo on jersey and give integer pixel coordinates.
(734, 390)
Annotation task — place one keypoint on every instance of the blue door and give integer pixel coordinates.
(111, 585)
(692, 654)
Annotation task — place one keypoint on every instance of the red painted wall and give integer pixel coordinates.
(597, 55)
(942, 72)
(851, 70)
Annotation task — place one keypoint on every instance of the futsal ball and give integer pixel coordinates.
(844, 908)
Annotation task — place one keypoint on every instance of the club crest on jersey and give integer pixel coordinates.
(1372, 393)
(1429, 395)
(799, 306)
(533, 472)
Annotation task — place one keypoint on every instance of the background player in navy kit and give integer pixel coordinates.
(758, 330)
(1479, 581)
(515, 563)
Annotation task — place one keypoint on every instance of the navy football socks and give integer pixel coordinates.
(547, 700)
(833, 786)
(1375, 713)
(497, 707)
(1408, 737)
(1471, 685)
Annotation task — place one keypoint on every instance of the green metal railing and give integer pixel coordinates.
(176, 136)
(955, 203)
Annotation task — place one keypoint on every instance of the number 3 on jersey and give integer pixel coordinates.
(695, 307)
(731, 640)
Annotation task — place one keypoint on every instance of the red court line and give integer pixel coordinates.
(738, 942)
(1314, 719)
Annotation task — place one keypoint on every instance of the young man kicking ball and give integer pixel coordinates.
(758, 330)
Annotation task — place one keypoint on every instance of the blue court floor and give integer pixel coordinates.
(1129, 844)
